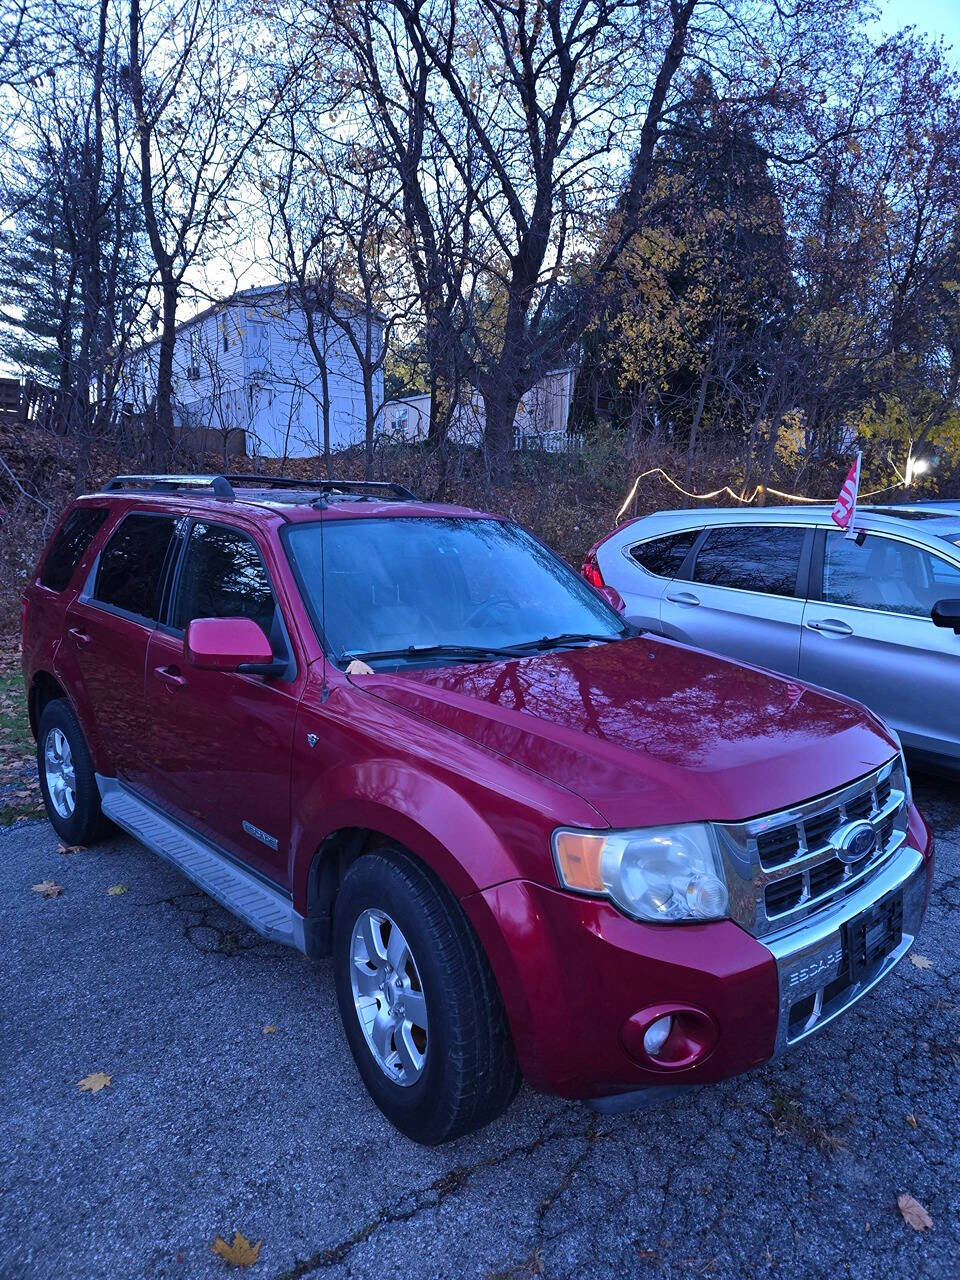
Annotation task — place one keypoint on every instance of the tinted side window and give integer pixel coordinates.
(886, 574)
(130, 574)
(223, 577)
(665, 556)
(76, 533)
(751, 558)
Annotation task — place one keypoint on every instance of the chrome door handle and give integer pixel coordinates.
(684, 597)
(79, 635)
(832, 627)
(170, 676)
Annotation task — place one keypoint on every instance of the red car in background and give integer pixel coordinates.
(536, 841)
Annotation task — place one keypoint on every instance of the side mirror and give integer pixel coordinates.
(946, 613)
(613, 598)
(229, 644)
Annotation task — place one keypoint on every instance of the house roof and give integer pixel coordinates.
(244, 297)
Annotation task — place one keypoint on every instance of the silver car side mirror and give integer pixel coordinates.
(946, 613)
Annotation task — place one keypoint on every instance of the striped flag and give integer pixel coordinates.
(844, 513)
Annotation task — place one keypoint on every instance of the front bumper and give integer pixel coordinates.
(810, 957)
(573, 972)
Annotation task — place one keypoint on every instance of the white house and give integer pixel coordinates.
(542, 418)
(245, 366)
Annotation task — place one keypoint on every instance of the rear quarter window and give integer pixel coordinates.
(664, 557)
(67, 549)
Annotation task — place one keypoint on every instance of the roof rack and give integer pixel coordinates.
(224, 486)
(220, 485)
(373, 488)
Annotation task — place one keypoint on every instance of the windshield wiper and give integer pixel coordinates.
(556, 642)
(482, 653)
(473, 653)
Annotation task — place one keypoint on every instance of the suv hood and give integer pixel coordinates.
(650, 731)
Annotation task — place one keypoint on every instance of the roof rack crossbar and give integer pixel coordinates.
(221, 486)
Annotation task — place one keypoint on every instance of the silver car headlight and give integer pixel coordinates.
(660, 874)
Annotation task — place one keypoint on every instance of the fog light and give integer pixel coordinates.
(655, 1036)
(669, 1037)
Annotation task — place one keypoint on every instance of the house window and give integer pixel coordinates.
(193, 369)
(226, 334)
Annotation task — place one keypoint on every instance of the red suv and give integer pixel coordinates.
(535, 840)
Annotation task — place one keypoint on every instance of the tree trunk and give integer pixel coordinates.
(500, 405)
(368, 428)
(325, 409)
(162, 435)
(695, 424)
(769, 454)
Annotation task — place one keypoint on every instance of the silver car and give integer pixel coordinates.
(877, 618)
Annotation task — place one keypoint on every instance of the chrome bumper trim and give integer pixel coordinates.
(809, 954)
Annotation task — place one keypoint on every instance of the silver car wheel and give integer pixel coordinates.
(60, 773)
(388, 997)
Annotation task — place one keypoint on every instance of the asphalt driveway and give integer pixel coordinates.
(212, 1124)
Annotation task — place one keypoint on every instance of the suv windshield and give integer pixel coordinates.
(461, 583)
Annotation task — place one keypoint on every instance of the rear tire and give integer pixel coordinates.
(420, 1006)
(67, 781)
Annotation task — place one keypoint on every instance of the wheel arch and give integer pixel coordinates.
(44, 688)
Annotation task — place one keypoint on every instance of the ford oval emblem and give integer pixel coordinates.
(854, 841)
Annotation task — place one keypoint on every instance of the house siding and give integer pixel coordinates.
(264, 381)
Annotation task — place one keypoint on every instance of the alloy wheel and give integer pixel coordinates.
(60, 773)
(388, 997)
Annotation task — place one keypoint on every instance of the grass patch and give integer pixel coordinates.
(19, 787)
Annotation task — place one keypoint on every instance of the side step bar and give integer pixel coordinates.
(265, 909)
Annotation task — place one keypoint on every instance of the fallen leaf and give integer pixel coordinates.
(357, 667)
(240, 1252)
(921, 962)
(913, 1213)
(94, 1082)
(69, 848)
(269, 1029)
(912, 1121)
(116, 889)
(49, 888)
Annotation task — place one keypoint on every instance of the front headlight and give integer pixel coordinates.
(899, 778)
(662, 874)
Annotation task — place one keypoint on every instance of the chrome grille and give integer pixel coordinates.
(783, 866)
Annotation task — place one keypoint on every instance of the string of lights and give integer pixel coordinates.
(739, 497)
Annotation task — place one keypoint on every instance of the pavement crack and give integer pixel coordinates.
(432, 1197)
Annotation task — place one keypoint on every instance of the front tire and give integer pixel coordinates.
(67, 781)
(419, 1003)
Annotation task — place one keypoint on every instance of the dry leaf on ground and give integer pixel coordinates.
(49, 888)
(116, 889)
(269, 1029)
(913, 1212)
(94, 1082)
(912, 1120)
(921, 962)
(70, 848)
(239, 1252)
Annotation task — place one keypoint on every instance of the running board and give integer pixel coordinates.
(264, 909)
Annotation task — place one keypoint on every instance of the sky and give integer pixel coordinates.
(934, 17)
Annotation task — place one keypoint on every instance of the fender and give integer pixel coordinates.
(420, 811)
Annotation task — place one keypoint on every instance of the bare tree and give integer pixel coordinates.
(200, 102)
(74, 245)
